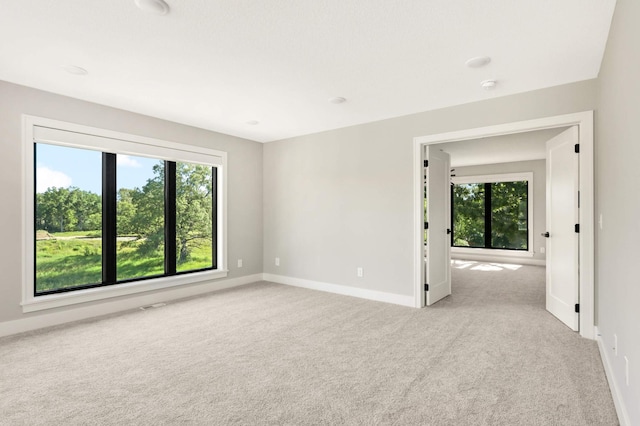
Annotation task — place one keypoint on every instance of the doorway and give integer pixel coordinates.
(584, 126)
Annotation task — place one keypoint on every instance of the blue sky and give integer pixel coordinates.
(58, 166)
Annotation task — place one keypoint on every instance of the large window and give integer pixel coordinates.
(108, 209)
(491, 212)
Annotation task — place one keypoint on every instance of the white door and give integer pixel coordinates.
(562, 219)
(438, 244)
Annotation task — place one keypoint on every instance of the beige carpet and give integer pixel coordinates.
(270, 354)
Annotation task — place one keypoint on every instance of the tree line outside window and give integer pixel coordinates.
(491, 215)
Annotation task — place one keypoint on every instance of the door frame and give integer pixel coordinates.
(584, 121)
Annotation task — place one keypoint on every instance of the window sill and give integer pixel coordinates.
(492, 252)
(33, 304)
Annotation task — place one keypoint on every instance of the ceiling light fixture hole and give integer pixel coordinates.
(478, 62)
(75, 70)
(155, 7)
(337, 100)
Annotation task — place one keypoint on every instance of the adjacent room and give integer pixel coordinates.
(498, 205)
(498, 211)
(338, 212)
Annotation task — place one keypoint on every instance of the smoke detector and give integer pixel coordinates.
(488, 84)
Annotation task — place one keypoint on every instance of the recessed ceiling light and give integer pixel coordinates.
(478, 62)
(72, 69)
(488, 84)
(337, 100)
(156, 7)
(253, 122)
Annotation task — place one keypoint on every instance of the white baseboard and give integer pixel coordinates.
(378, 296)
(498, 259)
(36, 321)
(621, 409)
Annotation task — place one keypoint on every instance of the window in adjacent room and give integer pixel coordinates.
(491, 212)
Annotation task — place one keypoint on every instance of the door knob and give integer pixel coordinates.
(545, 234)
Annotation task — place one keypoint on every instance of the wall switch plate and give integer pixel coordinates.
(360, 272)
(543, 250)
(277, 261)
(239, 263)
(600, 221)
(626, 369)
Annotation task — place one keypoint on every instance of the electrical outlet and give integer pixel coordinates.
(239, 263)
(543, 250)
(360, 272)
(277, 261)
(626, 369)
(615, 344)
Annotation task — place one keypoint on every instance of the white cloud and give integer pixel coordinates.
(126, 161)
(48, 178)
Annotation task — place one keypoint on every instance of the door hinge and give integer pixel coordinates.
(577, 227)
(577, 308)
(425, 163)
(426, 225)
(426, 287)
(577, 148)
(578, 199)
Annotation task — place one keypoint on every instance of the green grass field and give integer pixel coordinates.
(68, 262)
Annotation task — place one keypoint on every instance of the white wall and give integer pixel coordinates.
(617, 160)
(343, 199)
(244, 185)
(537, 167)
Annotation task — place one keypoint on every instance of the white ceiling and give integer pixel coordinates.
(218, 64)
(500, 149)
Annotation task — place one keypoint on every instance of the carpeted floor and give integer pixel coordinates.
(271, 354)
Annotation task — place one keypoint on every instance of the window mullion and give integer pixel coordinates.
(487, 215)
(526, 211)
(214, 217)
(109, 218)
(451, 219)
(170, 257)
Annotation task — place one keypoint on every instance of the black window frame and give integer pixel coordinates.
(109, 227)
(488, 219)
